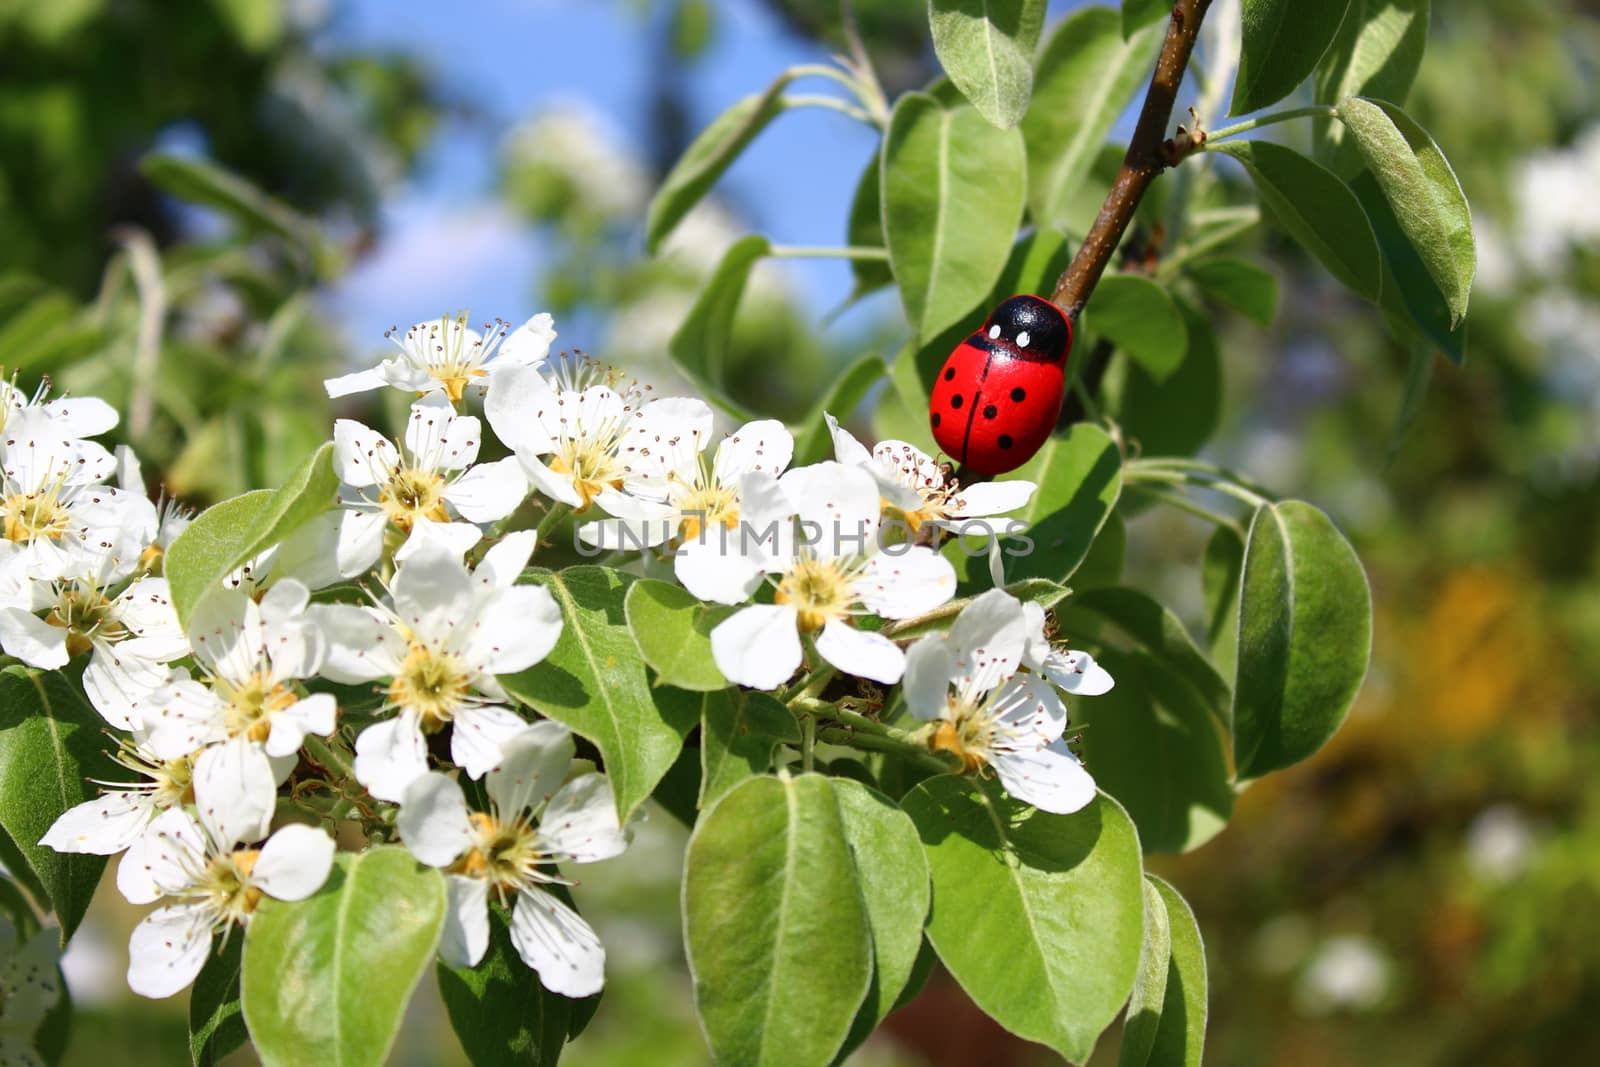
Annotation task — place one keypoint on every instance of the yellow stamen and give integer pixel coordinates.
(819, 592)
(410, 495)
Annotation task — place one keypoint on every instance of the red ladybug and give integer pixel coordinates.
(997, 397)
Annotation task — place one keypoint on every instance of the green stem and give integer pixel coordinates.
(1133, 473)
(830, 103)
(808, 742)
(548, 522)
(331, 756)
(1081, 391)
(823, 252)
(1316, 111)
(1183, 503)
(1206, 470)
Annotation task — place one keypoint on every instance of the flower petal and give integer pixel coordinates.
(362, 644)
(234, 792)
(390, 755)
(362, 381)
(758, 646)
(32, 640)
(580, 822)
(465, 937)
(168, 949)
(1076, 672)
(1049, 778)
(553, 940)
(514, 629)
(477, 735)
(930, 666)
(764, 445)
(531, 767)
(294, 862)
(103, 826)
(990, 498)
(712, 567)
(861, 652)
(506, 559)
(838, 506)
(904, 584)
(361, 455)
(488, 491)
(988, 638)
(438, 439)
(433, 820)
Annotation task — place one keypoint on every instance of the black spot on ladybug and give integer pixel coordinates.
(935, 420)
(949, 373)
(1019, 394)
(1005, 440)
(955, 401)
(990, 411)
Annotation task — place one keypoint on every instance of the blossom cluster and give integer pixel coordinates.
(409, 590)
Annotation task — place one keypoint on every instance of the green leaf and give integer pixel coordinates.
(710, 154)
(1139, 13)
(1155, 628)
(1412, 304)
(1305, 636)
(1283, 42)
(1180, 1035)
(777, 934)
(1142, 319)
(1377, 52)
(986, 46)
(1155, 746)
(594, 681)
(216, 1018)
(326, 980)
(1087, 73)
(1317, 209)
(700, 345)
(865, 230)
(51, 742)
(204, 183)
(1174, 417)
(1040, 917)
(892, 872)
(501, 1013)
(1220, 573)
(1422, 189)
(1079, 476)
(1143, 1014)
(1240, 284)
(1103, 565)
(673, 631)
(740, 731)
(952, 198)
(812, 441)
(224, 537)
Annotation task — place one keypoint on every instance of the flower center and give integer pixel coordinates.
(818, 590)
(225, 884)
(85, 613)
(708, 505)
(411, 494)
(29, 516)
(592, 468)
(503, 853)
(432, 683)
(252, 703)
(967, 734)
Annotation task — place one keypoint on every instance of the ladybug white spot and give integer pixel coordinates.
(1022, 339)
(994, 331)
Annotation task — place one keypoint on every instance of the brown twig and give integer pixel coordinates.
(1149, 153)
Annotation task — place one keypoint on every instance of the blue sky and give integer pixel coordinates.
(446, 244)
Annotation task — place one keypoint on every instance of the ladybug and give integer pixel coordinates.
(998, 395)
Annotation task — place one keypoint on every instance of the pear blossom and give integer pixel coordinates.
(72, 416)
(918, 488)
(440, 640)
(57, 520)
(533, 822)
(831, 573)
(431, 477)
(1069, 670)
(218, 885)
(30, 985)
(119, 819)
(702, 506)
(250, 655)
(446, 355)
(583, 439)
(968, 682)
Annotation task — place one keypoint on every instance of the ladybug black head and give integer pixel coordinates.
(1035, 326)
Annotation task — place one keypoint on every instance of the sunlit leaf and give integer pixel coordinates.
(740, 731)
(1283, 42)
(326, 980)
(778, 937)
(1141, 318)
(673, 630)
(986, 47)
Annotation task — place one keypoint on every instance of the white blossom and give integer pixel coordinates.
(533, 821)
(828, 572)
(701, 506)
(989, 713)
(440, 640)
(217, 883)
(430, 478)
(446, 355)
(583, 439)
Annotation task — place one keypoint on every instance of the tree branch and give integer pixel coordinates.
(1147, 157)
